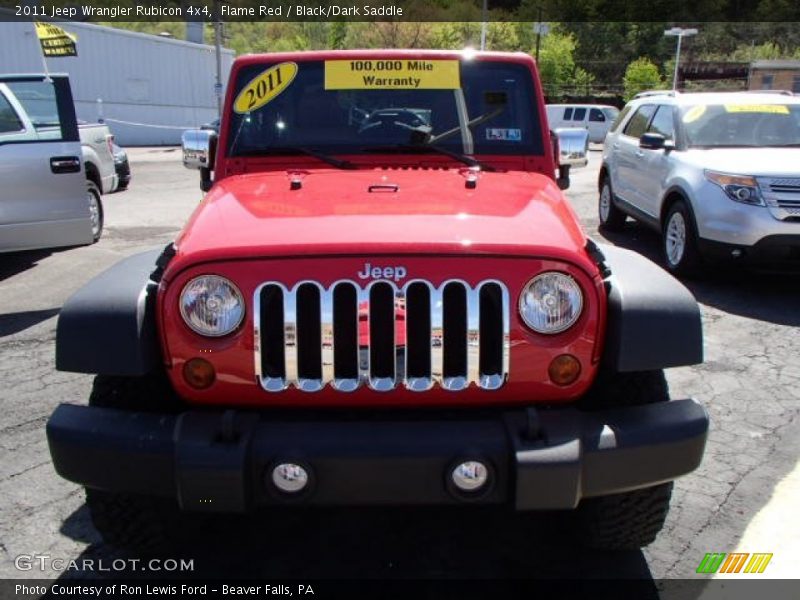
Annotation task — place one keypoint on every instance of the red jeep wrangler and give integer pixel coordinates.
(384, 299)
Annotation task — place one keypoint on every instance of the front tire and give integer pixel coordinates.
(630, 520)
(611, 217)
(679, 241)
(141, 523)
(627, 521)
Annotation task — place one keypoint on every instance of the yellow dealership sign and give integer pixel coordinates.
(55, 41)
(392, 74)
(775, 109)
(265, 87)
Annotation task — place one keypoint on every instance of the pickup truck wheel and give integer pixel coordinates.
(611, 217)
(95, 210)
(144, 524)
(681, 254)
(633, 519)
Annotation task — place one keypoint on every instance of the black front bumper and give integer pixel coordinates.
(780, 251)
(222, 462)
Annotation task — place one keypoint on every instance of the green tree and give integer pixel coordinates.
(337, 34)
(560, 75)
(500, 36)
(641, 75)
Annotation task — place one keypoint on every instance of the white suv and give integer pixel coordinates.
(718, 174)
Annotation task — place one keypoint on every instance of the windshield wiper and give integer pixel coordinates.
(273, 150)
(421, 148)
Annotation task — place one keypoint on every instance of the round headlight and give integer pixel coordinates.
(211, 305)
(551, 302)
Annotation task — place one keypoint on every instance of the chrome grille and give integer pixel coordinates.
(382, 336)
(782, 195)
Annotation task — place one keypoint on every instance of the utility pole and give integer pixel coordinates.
(218, 51)
(540, 29)
(484, 25)
(680, 33)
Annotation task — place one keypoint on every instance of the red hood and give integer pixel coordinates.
(431, 212)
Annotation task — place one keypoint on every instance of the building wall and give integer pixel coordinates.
(148, 89)
(782, 79)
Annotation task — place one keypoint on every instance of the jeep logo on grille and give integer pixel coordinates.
(396, 273)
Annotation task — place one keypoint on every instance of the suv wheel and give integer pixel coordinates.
(632, 519)
(611, 217)
(679, 241)
(95, 210)
(124, 520)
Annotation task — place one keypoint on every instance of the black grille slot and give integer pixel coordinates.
(345, 331)
(309, 333)
(454, 300)
(381, 331)
(418, 330)
(273, 362)
(491, 329)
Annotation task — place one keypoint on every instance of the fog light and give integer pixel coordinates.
(564, 369)
(470, 476)
(199, 373)
(290, 478)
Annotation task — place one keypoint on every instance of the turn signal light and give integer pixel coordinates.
(199, 373)
(564, 369)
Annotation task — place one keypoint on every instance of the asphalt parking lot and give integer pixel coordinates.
(750, 384)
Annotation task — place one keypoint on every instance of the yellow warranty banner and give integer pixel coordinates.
(392, 74)
(55, 41)
(775, 109)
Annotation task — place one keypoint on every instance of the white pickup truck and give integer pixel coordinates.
(98, 155)
(53, 170)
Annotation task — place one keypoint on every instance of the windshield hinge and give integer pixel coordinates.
(598, 257)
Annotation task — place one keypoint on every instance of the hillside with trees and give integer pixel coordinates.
(576, 59)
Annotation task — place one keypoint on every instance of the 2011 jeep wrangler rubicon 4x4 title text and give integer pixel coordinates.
(384, 299)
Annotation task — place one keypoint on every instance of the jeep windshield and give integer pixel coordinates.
(354, 107)
(741, 125)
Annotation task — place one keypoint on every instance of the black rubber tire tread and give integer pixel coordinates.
(137, 523)
(691, 262)
(633, 519)
(616, 218)
(627, 521)
(140, 523)
(611, 389)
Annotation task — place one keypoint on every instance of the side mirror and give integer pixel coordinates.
(199, 149)
(563, 177)
(573, 146)
(655, 141)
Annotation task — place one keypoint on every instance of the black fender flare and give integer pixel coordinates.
(108, 326)
(653, 320)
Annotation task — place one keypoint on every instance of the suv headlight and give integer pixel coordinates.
(739, 188)
(551, 302)
(211, 305)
